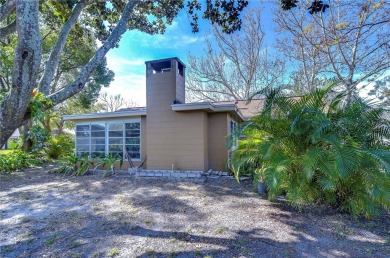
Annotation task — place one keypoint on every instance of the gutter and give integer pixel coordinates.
(104, 115)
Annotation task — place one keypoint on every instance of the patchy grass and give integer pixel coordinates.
(3, 152)
(52, 239)
(45, 214)
(112, 252)
(220, 230)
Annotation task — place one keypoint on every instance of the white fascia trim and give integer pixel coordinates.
(104, 115)
(193, 106)
(207, 106)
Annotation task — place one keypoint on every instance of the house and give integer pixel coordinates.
(172, 134)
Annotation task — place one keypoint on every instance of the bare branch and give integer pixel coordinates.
(113, 103)
(240, 66)
(350, 54)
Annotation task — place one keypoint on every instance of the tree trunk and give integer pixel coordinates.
(27, 143)
(26, 65)
(60, 126)
(46, 123)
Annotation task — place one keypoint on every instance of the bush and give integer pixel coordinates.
(14, 144)
(17, 160)
(60, 146)
(74, 165)
(316, 149)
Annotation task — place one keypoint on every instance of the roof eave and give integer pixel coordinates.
(209, 107)
(104, 115)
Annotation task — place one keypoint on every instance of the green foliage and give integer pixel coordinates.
(14, 144)
(109, 160)
(318, 149)
(18, 159)
(74, 165)
(37, 133)
(60, 146)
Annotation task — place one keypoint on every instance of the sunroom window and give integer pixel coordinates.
(133, 140)
(115, 140)
(98, 140)
(109, 138)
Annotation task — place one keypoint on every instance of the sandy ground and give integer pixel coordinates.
(48, 215)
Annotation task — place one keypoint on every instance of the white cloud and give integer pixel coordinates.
(119, 64)
(130, 87)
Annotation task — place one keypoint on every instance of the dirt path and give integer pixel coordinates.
(47, 215)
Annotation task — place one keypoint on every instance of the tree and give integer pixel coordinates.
(54, 116)
(349, 43)
(108, 20)
(78, 50)
(236, 66)
(112, 103)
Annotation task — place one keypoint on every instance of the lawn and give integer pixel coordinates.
(48, 215)
(5, 151)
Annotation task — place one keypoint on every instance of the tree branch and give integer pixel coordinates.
(52, 63)
(7, 8)
(7, 30)
(86, 71)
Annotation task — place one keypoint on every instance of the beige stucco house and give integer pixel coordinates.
(172, 134)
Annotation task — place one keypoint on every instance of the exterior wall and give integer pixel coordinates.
(191, 141)
(218, 129)
(173, 138)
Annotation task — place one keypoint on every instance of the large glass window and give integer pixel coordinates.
(133, 140)
(98, 140)
(115, 140)
(83, 135)
(111, 138)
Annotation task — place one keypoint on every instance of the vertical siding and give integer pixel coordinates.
(218, 129)
(173, 138)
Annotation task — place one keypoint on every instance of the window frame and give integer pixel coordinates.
(107, 137)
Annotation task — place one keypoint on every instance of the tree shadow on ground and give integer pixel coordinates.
(74, 218)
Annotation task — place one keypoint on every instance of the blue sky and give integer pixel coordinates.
(135, 47)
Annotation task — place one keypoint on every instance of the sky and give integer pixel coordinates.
(128, 60)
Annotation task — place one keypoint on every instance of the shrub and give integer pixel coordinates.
(60, 146)
(18, 160)
(108, 160)
(14, 144)
(316, 149)
(74, 165)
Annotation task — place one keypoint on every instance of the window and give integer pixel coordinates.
(115, 140)
(133, 140)
(83, 133)
(233, 126)
(233, 132)
(98, 140)
(111, 138)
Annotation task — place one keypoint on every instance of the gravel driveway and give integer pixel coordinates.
(48, 215)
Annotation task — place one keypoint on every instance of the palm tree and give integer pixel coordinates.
(318, 149)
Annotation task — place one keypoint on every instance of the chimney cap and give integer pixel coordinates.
(166, 59)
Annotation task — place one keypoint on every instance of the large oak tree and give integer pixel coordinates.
(108, 20)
